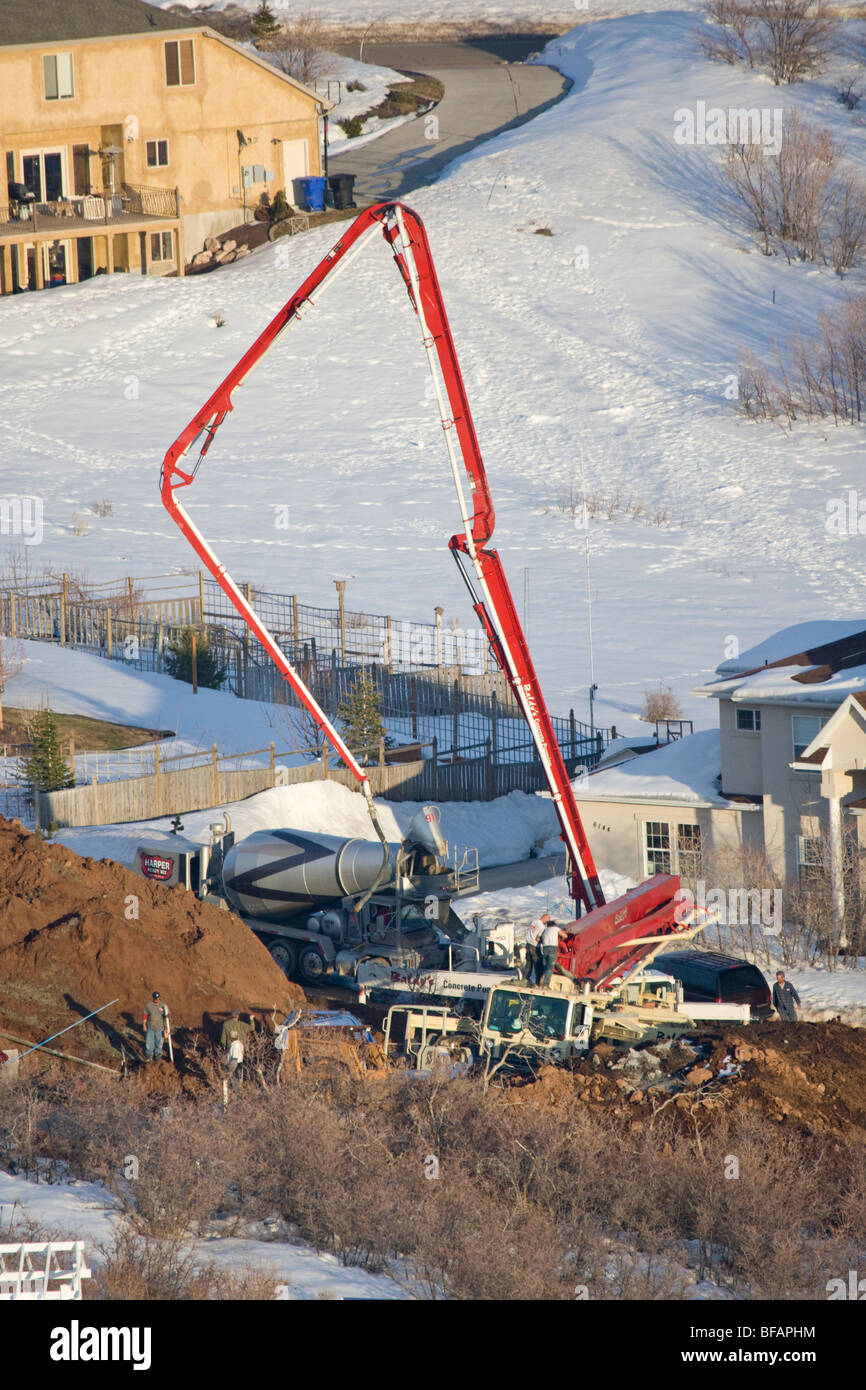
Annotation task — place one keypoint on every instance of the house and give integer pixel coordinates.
(129, 134)
(784, 774)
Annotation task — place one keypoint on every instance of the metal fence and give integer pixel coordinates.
(435, 682)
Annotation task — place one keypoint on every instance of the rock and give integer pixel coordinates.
(203, 258)
(636, 1098)
(243, 251)
(698, 1076)
(224, 257)
(229, 245)
(744, 1053)
(211, 243)
(623, 1085)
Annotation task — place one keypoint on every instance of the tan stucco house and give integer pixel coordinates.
(783, 774)
(128, 134)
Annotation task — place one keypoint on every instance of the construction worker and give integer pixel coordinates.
(235, 1064)
(533, 947)
(549, 949)
(785, 998)
(234, 1028)
(154, 1022)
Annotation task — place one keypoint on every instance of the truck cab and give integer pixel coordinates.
(528, 1026)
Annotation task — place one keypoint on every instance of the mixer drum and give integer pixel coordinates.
(274, 874)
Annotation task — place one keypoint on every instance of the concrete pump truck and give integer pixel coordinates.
(607, 943)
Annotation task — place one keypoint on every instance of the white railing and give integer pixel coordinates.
(36, 1270)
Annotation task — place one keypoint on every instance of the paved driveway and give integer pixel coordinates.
(484, 94)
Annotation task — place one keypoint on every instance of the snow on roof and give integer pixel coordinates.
(788, 642)
(814, 663)
(689, 769)
(783, 685)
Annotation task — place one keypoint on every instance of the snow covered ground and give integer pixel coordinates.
(602, 352)
(85, 1211)
(509, 13)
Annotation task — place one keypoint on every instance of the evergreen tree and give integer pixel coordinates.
(46, 769)
(361, 719)
(178, 660)
(264, 22)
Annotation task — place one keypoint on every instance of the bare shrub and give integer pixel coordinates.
(798, 199)
(134, 1268)
(790, 39)
(660, 704)
(300, 48)
(823, 376)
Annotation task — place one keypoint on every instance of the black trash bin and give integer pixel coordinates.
(343, 189)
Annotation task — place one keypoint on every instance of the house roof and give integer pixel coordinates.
(688, 770)
(817, 663)
(822, 752)
(61, 21)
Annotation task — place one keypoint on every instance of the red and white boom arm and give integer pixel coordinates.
(614, 937)
(481, 567)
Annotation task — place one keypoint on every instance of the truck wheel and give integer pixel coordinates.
(311, 965)
(284, 956)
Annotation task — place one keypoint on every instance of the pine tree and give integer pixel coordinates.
(178, 660)
(264, 22)
(361, 718)
(46, 769)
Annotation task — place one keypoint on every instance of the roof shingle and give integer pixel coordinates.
(59, 21)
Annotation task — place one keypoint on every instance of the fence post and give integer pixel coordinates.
(325, 761)
(572, 731)
(438, 611)
(201, 598)
(296, 626)
(455, 715)
(381, 752)
(340, 585)
(72, 759)
(94, 788)
(413, 704)
(273, 765)
(488, 780)
(157, 772)
(108, 633)
(216, 775)
(64, 600)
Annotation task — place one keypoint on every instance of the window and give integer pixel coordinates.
(658, 847)
(162, 246)
(157, 154)
(749, 720)
(689, 851)
(179, 63)
(810, 860)
(57, 70)
(806, 727)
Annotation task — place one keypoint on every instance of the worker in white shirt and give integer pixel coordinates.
(549, 949)
(533, 947)
(235, 1064)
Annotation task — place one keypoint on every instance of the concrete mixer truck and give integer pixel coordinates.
(323, 904)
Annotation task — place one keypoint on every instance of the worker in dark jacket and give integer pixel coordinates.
(785, 998)
(234, 1028)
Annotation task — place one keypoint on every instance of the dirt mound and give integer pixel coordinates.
(75, 933)
(811, 1076)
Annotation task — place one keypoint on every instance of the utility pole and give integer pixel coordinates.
(585, 519)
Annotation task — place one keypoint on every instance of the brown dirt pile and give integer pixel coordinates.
(811, 1076)
(69, 942)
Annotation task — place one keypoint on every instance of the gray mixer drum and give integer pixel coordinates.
(276, 874)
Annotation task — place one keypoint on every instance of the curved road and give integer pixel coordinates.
(484, 94)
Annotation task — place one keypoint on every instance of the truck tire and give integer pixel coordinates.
(311, 965)
(283, 953)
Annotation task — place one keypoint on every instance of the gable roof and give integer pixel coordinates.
(61, 21)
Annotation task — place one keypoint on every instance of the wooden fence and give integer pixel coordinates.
(170, 793)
